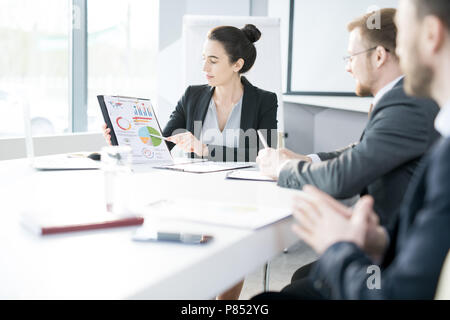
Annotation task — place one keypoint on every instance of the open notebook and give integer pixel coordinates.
(251, 175)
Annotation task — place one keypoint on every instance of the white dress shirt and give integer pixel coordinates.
(442, 121)
(229, 137)
(384, 90)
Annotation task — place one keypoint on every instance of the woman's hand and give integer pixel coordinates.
(189, 143)
(107, 134)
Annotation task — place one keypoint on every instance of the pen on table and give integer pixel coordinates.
(159, 137)
(261, 137)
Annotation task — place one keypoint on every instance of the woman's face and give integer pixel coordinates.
(217, 66)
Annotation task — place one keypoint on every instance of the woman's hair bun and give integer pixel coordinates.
(251, 32)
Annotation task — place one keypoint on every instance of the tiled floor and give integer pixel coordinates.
(281, 269)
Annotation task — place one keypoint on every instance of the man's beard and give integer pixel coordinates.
(362, 90)
(419, 77)
(365, 89)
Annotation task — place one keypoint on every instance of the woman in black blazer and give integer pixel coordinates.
(229, 103)
(219, 120)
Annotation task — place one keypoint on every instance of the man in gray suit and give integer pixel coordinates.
(359, 258)
(399, 131)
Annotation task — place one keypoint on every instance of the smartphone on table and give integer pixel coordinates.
(145, 234)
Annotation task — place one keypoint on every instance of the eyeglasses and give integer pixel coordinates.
(347, 59)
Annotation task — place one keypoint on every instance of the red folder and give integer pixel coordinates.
(51, 224)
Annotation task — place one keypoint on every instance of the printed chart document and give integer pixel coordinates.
(217, 213)
(134, 123)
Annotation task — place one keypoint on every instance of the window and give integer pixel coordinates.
(122, 51)
(122, 47)
(34, 65)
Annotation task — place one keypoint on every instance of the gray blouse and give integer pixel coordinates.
(229, 137)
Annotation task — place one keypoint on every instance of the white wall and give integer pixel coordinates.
(280, 9)
(170, 82)
(314, 129)
(320, 42)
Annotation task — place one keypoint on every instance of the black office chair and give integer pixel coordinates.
(266, 273)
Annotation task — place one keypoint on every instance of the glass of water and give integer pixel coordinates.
(116, 167)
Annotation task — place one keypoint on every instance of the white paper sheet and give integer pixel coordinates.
(224, 214)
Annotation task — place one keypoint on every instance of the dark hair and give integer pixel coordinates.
(238, 43)
(439, 8)
(385, 35)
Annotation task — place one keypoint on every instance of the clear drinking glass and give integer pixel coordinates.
(116, 167)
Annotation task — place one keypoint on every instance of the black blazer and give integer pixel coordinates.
(418, 246)
(399, 132)
(259, 111)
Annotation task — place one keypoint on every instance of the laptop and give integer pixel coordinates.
(65, 162)
(133, 122)
(54, 162)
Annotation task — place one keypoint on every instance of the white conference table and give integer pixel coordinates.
(107, 264)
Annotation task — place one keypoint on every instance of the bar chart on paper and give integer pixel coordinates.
(142, 110)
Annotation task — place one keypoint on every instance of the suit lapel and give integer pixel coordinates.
(413, 200)
(362, 136)
(375, 108)
(201, 108)
(248, 105)
(248, 111)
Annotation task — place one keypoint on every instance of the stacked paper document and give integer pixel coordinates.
(233, 215)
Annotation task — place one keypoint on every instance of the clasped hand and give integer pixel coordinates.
(321, 221)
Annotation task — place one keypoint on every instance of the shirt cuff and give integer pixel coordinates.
(280, 167)
(314, 157)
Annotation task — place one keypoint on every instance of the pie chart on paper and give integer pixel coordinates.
(146, 138)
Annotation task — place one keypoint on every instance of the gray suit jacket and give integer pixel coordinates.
(400, 130)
